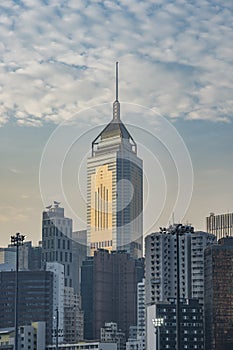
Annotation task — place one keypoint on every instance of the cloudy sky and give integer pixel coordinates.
(57, 68)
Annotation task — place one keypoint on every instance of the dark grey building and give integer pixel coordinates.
(87, 296)
(79, 252)
(35, 257)
(191, 324)
(35, 299)
(109, 291)
(219, 295)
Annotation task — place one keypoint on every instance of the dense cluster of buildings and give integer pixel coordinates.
(95, 289)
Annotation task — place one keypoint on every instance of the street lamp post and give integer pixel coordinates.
(157, 323)
(17, 241)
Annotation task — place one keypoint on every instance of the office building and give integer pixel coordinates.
(111, 334)
(79, 252)
(73, 317)
(109, 291)
(220, 225)
(115, 190)
(34, 256)
(7, 258)
(29, 257)
(36, 290)
(57, 240)
(219, 296)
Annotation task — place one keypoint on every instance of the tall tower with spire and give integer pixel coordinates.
(115, 189)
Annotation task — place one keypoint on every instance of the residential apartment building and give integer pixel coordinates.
(161, 264)
(191, 325)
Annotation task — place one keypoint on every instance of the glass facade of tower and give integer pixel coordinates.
(57, 240)
(115, 190)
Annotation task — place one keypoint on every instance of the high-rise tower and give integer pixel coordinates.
(115, 189)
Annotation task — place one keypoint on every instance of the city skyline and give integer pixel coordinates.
(174, 59)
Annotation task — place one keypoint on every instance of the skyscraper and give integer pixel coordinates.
(56, 240)
(115, 189)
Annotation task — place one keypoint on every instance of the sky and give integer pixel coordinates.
(57, 67)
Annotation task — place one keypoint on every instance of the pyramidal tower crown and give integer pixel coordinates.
(115, 129)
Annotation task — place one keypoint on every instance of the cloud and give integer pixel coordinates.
(58, 57)
(15, 171)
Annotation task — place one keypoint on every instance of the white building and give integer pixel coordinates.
(161, 266)
(30, 337)
(85, 346)
(58, 297)
(141, 315)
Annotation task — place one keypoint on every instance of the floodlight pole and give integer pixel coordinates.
(17, 241)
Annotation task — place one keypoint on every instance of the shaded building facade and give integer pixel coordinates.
(191, 325)
(35, 299)
(109, 291)
(219, 295)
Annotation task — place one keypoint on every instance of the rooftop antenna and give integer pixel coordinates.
(116, 104)
(116, 81)
(173, 218)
